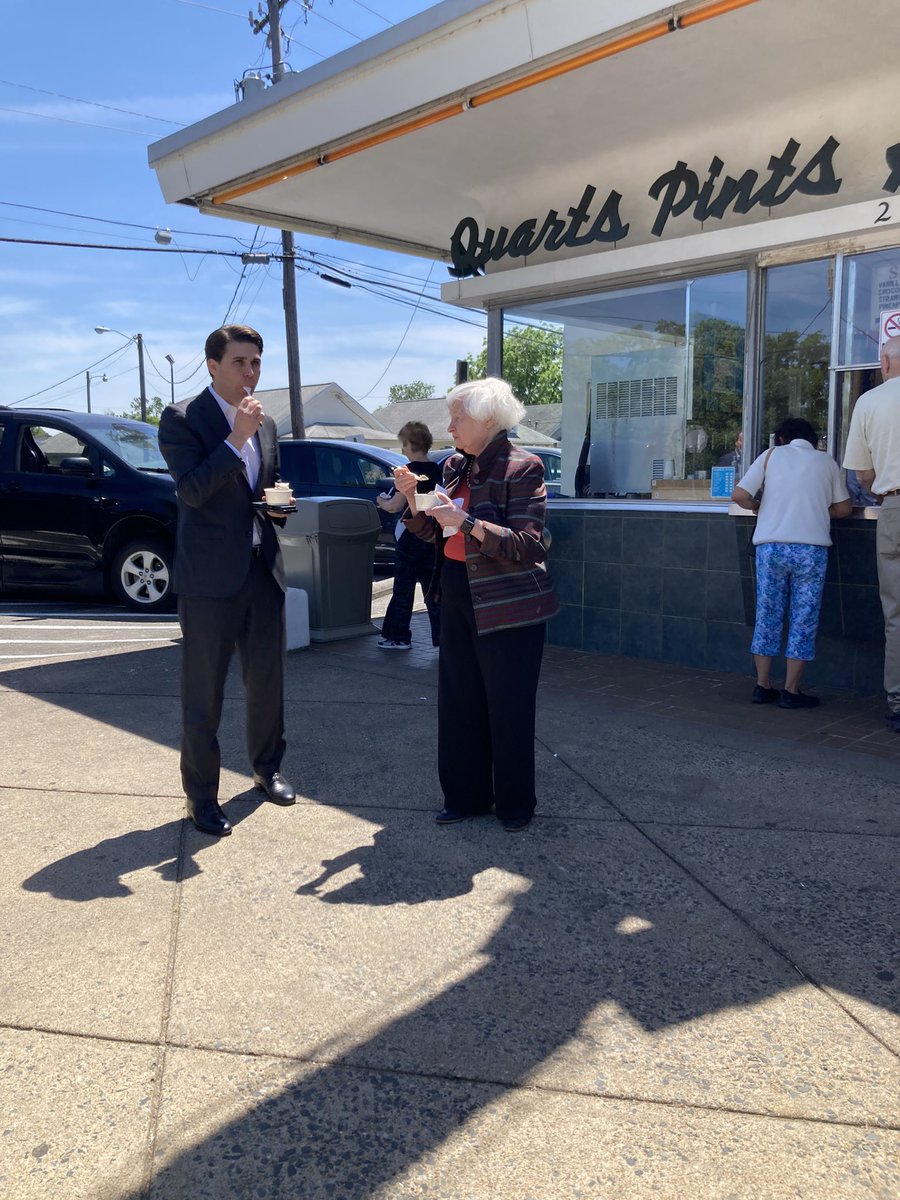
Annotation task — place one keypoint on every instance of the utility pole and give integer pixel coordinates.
(289, 270)
(87, 379)
(139, 338)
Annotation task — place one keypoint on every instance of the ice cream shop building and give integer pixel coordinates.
(701, 200)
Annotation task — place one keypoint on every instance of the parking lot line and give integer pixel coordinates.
(95, 626)
(114, 641)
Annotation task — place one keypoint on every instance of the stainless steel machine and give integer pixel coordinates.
(637, 419)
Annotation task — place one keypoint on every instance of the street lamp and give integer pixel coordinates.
(87, 379)
(171, 361)
(138, 338)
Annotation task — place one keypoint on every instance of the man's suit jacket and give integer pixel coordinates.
(215, 517)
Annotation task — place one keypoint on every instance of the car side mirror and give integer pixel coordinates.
(75, 466)
(386, 484)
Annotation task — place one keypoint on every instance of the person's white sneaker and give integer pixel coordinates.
(384, 643)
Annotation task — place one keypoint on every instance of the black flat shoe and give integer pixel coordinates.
(208, 817)
(763, 695)
(797, 700)
(516, 824)
(276, 788)
(449, 816)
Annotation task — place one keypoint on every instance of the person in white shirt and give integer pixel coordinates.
(873, 451)
(802, 490)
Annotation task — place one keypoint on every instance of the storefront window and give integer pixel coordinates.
(796, 351)
(652, 386)
(871, 286)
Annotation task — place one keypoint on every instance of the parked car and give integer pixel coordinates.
(87, 505)
(331, 467)
(549, 456)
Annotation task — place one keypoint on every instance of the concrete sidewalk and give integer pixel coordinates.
(677, 983)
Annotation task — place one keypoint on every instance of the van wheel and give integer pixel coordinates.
(141, 576)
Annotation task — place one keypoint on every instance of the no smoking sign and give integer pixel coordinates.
(890, 326)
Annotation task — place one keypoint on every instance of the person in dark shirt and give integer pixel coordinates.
(414, 561)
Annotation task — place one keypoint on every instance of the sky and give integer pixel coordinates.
(84, 90)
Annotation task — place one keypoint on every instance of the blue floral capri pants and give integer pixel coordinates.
(788, 573)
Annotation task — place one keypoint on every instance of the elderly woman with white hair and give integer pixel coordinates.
(496, 596)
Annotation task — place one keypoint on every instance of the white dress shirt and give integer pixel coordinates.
(249, 453)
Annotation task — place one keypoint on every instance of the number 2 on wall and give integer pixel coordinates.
(884, 213)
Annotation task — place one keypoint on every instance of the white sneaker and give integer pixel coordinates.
(384, 643)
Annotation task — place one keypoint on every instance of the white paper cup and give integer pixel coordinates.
(280, 494)
(426, 500)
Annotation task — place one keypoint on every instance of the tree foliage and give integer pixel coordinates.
(417, 390)
(532, 363)
(154, 410)
(795, 379)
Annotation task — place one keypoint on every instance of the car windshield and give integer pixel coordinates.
(135, 442)
(395, 459)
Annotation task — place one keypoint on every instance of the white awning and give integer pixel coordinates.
(447, 116)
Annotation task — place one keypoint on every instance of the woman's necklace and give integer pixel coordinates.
(470, 462)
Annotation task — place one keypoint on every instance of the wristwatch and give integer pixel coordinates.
(468, 525)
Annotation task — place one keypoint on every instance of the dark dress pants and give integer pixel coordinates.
(487, 691)
(414, 564)
(212, 626)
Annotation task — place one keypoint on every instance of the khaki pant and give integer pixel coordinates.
(887, 544)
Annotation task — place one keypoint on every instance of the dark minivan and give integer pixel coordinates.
(331, 467)
(87, 505)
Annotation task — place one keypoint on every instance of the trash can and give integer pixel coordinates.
(328, 546)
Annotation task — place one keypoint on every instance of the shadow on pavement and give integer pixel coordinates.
(538, 1007)
(597, 917)
(97, 871)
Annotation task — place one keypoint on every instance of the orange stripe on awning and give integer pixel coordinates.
(575, 63)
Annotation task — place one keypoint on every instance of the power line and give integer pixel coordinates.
(373, 12)
(240, 280)
(225, 11)
(132, 249)
(399, 344)
(94, 103)
(119, 350)
(328, 20)
(23, 112)
(57, 212)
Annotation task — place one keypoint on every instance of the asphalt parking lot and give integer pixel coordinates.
(36, 628)
(49, 629)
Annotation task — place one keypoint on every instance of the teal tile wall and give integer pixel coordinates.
(679, 588)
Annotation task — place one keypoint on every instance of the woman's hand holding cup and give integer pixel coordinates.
(448, 513)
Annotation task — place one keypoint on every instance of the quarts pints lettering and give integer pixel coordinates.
(471, 252)
(680, 189)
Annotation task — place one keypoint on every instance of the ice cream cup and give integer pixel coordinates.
(279, 493)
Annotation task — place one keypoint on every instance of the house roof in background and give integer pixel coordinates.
(433, 413)
(325, 404)
(545, 418)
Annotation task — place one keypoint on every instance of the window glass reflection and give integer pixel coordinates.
(652, 386)
(797, 345)
(871, 287)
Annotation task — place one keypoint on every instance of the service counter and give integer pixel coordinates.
(674, 582)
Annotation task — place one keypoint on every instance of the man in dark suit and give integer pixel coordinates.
(222, 451)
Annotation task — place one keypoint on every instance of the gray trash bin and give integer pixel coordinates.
(328, 547)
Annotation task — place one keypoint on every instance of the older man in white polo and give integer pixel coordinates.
(873, 451)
